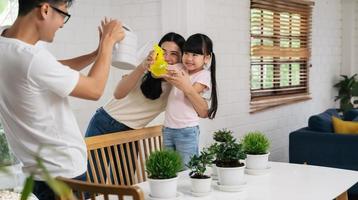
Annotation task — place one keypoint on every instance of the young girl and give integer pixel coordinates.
(197, 78)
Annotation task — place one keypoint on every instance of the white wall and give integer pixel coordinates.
(350, 37)
(226, 22)
(354, 66)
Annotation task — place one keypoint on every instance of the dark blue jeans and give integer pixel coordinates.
(43, 192)
(102, 123)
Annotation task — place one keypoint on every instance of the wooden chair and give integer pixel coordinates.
(119, 158)
(84, 190)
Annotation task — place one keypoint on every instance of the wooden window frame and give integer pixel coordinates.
(280, 52)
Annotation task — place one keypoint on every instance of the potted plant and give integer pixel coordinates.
(162, 168)
(256, 146)
(347, 93)
(200, 182)
(8, 162)
(228, 155)
(212, 166)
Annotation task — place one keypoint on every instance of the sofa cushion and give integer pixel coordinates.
(344, 127)
(351, 115)
(323, 121)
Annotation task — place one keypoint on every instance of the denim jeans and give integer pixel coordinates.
(183, 140)
(43, 192)
(102, 123)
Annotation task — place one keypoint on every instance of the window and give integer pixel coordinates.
(280, 52)
(8, 11)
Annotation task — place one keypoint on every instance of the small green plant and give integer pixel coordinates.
(347, 90)
(213, 149)
(198, 164)
(255, 143)
(6, 156)
(228, 150)
(164, 164)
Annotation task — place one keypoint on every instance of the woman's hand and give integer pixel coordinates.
(148, 61)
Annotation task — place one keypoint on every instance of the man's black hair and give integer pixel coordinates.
(25, 6)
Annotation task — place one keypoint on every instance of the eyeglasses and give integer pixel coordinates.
(65, 14)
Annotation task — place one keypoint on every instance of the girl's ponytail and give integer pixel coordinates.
(213, 97)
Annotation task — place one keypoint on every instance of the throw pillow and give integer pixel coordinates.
(351, 115)
(323, 121)
(344, 127)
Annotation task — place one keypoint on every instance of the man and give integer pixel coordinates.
(34, 87)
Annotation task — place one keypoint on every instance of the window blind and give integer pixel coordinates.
(280, 52)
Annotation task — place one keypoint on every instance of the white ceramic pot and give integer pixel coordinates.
(231, 175)
(214, 170)
(200, 185)
(163, 188)
(257, 161)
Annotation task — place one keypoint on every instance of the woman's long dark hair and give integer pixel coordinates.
(152, 87)
(202, 44)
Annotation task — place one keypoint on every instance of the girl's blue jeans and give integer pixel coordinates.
(183, 140)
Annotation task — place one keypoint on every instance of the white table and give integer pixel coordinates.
(284, 181)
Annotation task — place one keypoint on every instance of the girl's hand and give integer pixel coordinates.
(178, 78)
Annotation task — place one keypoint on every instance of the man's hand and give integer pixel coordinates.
(111, 31)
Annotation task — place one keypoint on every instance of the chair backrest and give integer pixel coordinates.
(119, 158)
(84, 190)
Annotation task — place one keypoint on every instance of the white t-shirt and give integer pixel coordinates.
(34, 109)
(135, 110)
(180, 112)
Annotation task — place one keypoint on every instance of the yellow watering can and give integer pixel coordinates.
(159, 67)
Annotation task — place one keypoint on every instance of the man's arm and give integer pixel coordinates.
(92, 86)
(80, 62)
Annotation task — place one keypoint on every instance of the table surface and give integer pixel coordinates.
(283, 181)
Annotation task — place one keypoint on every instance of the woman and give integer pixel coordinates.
(138, 97)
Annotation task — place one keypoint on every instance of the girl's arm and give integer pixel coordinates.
(199, 103)
(129, 81)
(180, 79)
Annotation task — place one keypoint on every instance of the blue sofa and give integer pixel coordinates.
(317, 144)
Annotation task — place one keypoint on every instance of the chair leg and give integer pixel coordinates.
(343, 196)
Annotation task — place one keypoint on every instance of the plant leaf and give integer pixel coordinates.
(355, 89)
(29, 186)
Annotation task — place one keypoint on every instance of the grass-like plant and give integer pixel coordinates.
(198, 164)
(228, 150)
(255, 143)
(164, 164)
